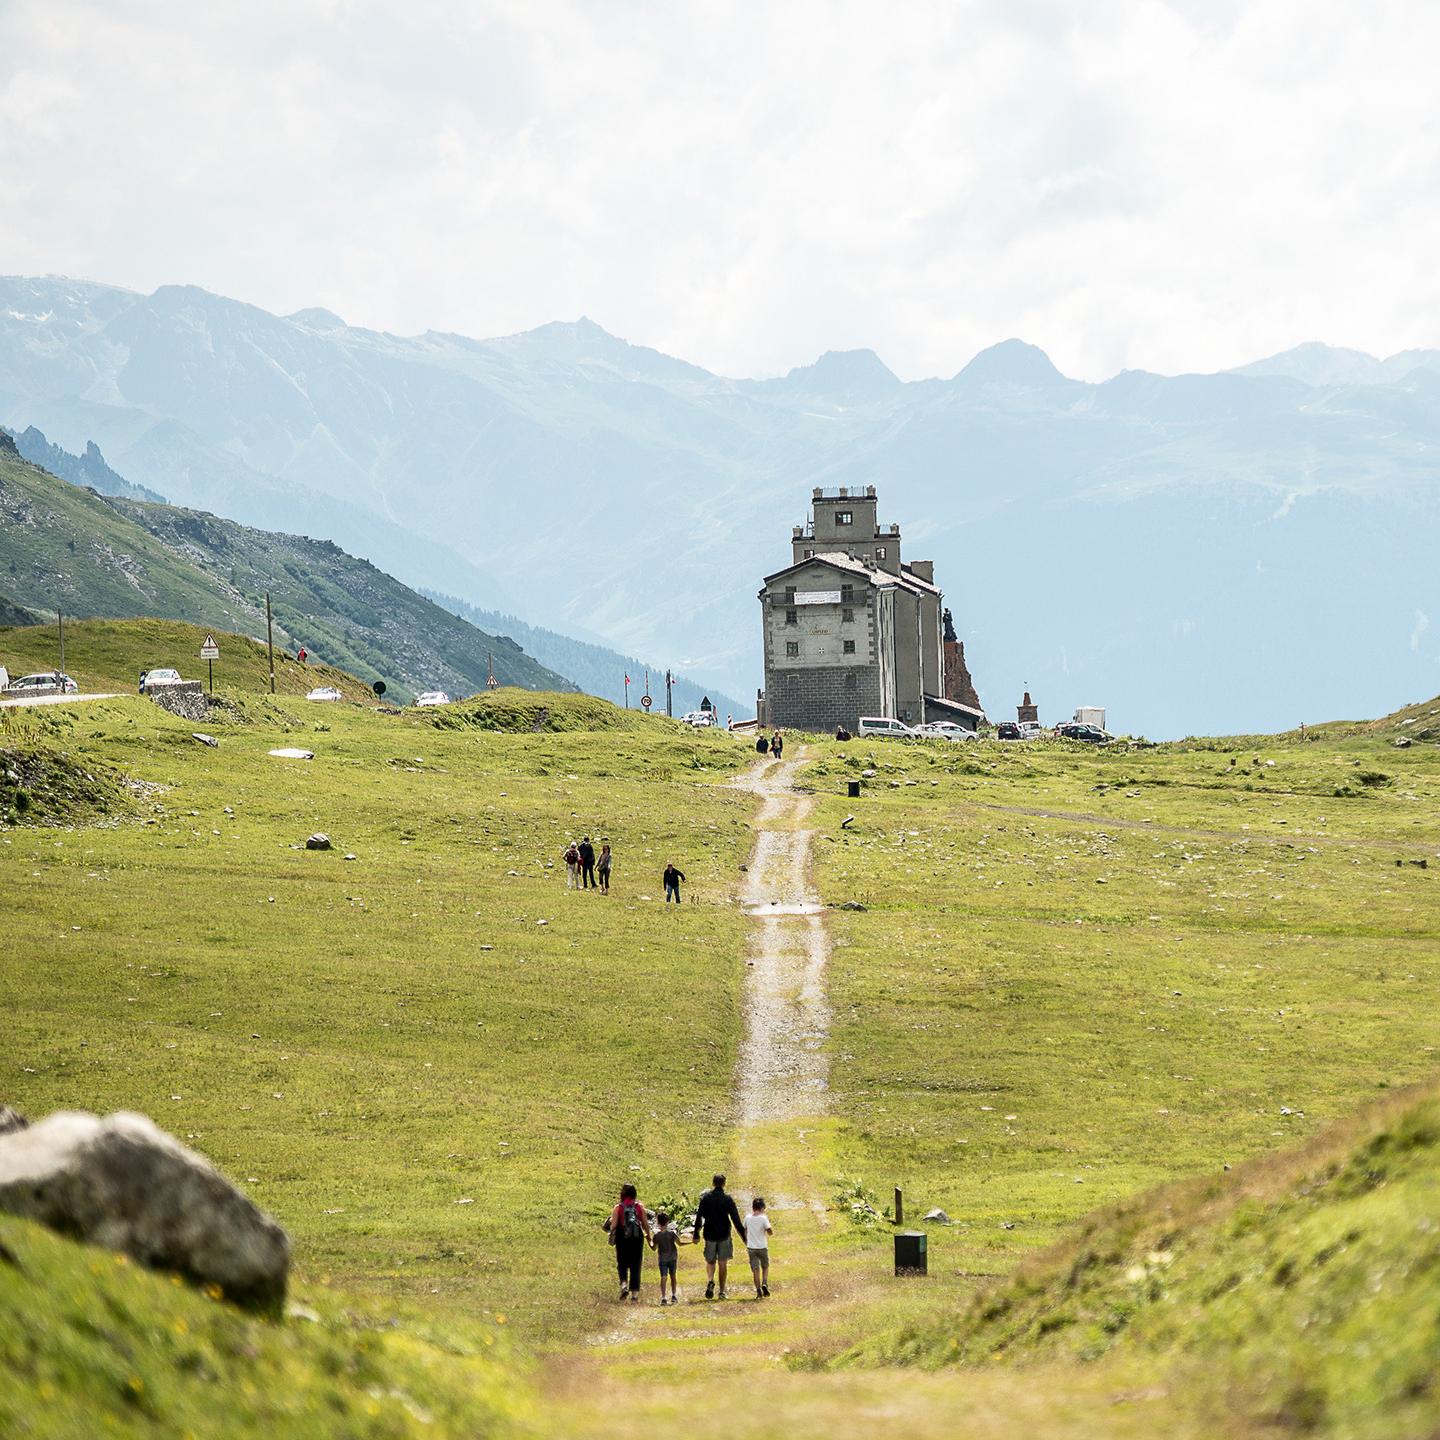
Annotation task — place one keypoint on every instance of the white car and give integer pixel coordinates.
(324, 692)
(1032, 730)
(885, 725)
(431, 698)
(46, 680)
(153, 679)
(700, 719)
(945, 730)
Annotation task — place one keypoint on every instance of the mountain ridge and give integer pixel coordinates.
(595, 485)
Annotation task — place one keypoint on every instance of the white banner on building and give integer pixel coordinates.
(817, 597)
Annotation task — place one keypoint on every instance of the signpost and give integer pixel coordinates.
(210, 651)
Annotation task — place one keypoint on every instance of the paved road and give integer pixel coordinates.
(24, 702)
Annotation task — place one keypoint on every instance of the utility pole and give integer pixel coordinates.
(60, 620)
(669, 704)
(270, 641)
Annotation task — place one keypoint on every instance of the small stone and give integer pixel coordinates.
(938, 1216)
(318, 841)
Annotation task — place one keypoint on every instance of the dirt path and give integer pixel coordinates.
(782, 1068)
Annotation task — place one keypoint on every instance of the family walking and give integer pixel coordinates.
(584, 870)
(717, 1221)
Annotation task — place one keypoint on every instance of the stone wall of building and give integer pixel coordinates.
(822, 697)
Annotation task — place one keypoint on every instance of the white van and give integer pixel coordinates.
(885, 725)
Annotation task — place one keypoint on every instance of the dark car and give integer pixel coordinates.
(1091, 734)
(1008, 730)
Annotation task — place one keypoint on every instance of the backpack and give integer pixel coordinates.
(630, 1222)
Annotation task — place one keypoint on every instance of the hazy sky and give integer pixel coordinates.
(1183, 185)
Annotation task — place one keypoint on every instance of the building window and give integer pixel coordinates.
(792, 617)
(844, 517)
(809, 554)
(847, 594)
(792, 649)
(847, 617)
(879, 552)
(849, 647)
(789, 594)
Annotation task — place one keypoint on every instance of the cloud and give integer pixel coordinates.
(1417, 631)
(1127, 183)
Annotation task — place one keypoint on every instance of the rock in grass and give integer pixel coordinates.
(124, 1184)
(209, 740)
(318, 841)
(938, 1216)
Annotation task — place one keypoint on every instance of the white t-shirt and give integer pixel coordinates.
(757, 1227)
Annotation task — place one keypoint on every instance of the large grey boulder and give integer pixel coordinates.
(125, 1184)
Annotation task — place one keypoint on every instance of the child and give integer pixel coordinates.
(758, 1230)
(666, 1242)
(572, 866)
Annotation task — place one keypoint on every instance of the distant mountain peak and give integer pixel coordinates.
(844, 370)
(316, 317)
(1011, 362)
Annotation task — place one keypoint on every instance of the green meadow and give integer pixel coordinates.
(1078, 975)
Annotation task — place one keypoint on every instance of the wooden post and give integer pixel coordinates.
(61, 621)
(899, 1206)
(270, 641)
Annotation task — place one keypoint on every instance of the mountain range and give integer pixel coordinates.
(1198, 553)
(63, 547)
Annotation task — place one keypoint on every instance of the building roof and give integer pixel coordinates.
(838, 560)
(938, 702)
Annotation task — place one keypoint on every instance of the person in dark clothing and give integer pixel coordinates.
(777, 745)
(672, 878)
(762, 744)
(587, 864)
(629, 1228)
(715, 1215)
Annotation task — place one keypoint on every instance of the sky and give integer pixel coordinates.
(1127, 183)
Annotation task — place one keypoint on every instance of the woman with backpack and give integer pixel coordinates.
(629, 1228)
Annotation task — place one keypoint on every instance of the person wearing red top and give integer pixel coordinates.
(629, 1228)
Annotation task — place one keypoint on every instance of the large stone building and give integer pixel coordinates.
(851, 629)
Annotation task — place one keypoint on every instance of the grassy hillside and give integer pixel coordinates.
(63, 547)
(1078, 976)
(1309, 1280)
(92, 1345)
(108, 655)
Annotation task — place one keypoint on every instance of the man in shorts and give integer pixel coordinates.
(715, 1216)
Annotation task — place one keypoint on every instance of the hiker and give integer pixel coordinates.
(572, 866)
(666, 1244)
(629, 1228)
(672, 878)
(841, 733)
(715, 1214)
(602, 868)
(777, 745)
(758, 1230)
(587, 864)
(762, 745)
(301, 654)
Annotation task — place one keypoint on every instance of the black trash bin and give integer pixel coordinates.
(853, 789)
(910, 1257)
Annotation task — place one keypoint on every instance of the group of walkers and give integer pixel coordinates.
(716, 1217)
(773, 745)
(586, 870)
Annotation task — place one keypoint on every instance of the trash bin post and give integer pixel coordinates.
(910, 1255)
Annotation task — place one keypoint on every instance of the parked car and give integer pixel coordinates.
(153, 679)
(1008, 730)
(944, 730)
(1031, 730)
(324, 692)
(45, 680)
(885, 725)
(431, 698)
(1091, 734)
(700, 719)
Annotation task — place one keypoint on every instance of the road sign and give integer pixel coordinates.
(645, 701)
(209, 650)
